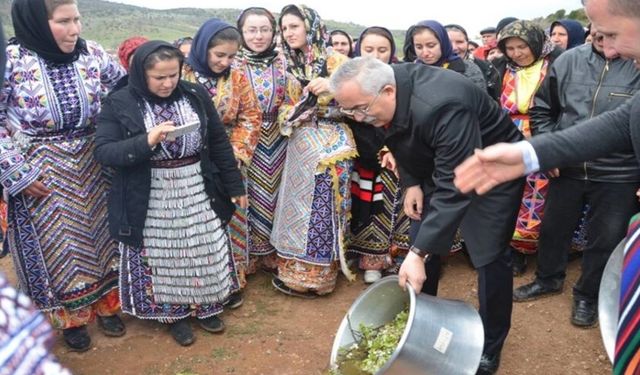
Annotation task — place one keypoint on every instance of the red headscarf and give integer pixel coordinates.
(128, 47)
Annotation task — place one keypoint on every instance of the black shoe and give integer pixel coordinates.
(535, 290)
(77, 339)
(212, 324)
(182, 333)
(519, 263)
(235, 301)
(584, 313)
(111, 325)
(489, 364)
(282, 287)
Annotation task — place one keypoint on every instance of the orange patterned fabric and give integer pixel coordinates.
(305, 277)
(237, 107)
(107, 305)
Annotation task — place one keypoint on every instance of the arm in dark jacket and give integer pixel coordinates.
(113, 147)
(456, 134)
(546, 107)
(595, 138)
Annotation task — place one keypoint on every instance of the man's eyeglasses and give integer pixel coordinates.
(360, 111)
(255, 31)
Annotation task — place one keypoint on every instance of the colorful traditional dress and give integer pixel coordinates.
(310, 224)
(184, 267)
(236, 103)
(26, 338)
(519, 85)
(62, 251)
(379, 226)
(277, 91)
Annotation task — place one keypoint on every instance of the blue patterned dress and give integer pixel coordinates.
(62, 251)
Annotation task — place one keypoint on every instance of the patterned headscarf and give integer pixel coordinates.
(378, 30)
(441, 34)
(266, 57)
(309, 64)
(530, 33)
(128, 47)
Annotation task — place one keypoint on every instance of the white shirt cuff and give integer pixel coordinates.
(529, 157)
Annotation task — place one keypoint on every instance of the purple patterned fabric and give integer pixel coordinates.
(25, 336)
(64, 81)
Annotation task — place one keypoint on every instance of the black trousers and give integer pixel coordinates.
(612, 205)
(495, 285)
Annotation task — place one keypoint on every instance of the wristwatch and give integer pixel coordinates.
(421, 253)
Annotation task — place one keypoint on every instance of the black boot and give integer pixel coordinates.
(182, 333)
(111, 325)
(77, 339)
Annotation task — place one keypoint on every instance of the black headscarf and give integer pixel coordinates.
(441, 34)
(381, 31)
(343, 33)
(31, 26)
(137, 74)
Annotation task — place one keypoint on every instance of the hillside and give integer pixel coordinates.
(110, 23)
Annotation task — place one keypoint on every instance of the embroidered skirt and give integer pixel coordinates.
(185, 266)
(60, 244)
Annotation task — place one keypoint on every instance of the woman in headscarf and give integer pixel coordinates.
(379, 227)
(341, 42)
(57, 233)
(567, 34)
(171, 195)
(310, 223)
(209, 64)
(528, 53)
(277, 91)
(184, 45)
(427, 42)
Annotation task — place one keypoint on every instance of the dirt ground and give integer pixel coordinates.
(276, 334)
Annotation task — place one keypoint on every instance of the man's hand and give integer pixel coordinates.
(389, 162)
(413, 271)
(413, 200)
(555, 172)
(318, 86)
(487, 168)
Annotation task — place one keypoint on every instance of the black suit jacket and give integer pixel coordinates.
(614, 131)
(440, 118)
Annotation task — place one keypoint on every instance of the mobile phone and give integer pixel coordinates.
(182, 130)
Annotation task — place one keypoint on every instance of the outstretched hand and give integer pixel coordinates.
(487, 168)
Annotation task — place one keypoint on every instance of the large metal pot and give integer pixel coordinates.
(609, 297)
(442, 336)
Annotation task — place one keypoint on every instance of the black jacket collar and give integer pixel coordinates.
(404, 89)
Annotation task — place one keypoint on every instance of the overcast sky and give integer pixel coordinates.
(474, 15)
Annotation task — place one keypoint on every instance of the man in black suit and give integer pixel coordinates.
(615, 131)
(432, 119)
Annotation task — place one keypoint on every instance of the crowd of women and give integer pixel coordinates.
(111, 207)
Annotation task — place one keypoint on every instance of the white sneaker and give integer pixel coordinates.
(371, 276)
